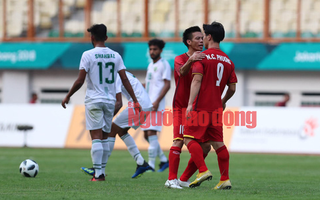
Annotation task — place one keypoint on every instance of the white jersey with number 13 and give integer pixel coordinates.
(102, 65)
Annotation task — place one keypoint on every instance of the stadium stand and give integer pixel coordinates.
(283, 17)
(226, 12)
(244, 21)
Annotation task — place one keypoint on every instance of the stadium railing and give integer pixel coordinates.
(269, 21)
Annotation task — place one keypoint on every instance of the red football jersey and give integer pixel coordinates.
(218, 71)
(183, 83)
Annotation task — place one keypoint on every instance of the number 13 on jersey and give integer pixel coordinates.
(107, 66)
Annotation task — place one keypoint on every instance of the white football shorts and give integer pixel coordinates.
(99, 115)
(122, 120)
(153, 121)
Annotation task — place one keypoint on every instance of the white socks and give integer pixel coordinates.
(96, 155)
(132, 148)
(105, 155)
(111, 141)
(161, 155)
(153, 150)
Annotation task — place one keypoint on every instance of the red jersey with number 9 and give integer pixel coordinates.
(217, 71)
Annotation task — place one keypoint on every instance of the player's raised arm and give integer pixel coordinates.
(187, 66)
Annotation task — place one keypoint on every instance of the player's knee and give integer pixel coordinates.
(145, 136)
(178, 143)
(150, 133)
(186, 141)
(112, 134)
(105, 135)
(122, 132)
(206, 147)
(217, 145)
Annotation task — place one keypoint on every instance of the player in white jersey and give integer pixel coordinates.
(124, 121)
(99, 66)
(157, 85)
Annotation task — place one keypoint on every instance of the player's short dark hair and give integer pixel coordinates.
(187, 34)
(99, 31)
(216, 30)
(157, 42)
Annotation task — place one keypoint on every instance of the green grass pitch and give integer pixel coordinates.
(253, 176)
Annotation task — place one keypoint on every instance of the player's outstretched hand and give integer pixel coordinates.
(197, 56)
(65, 101)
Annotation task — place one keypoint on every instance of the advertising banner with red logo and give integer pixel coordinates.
(279, 130)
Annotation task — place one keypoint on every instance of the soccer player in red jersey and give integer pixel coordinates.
(193, 39)
(210, 76)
